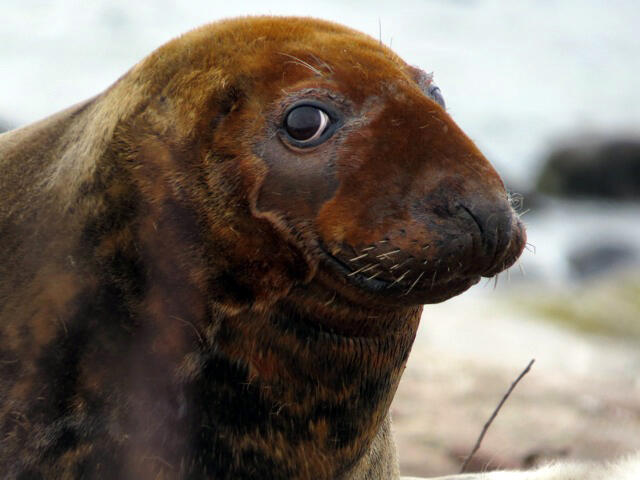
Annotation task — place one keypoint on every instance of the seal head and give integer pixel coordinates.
(388, 199)
(332, 159)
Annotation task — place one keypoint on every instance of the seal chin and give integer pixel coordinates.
(439, 292)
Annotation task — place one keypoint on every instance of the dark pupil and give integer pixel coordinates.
(303, 122)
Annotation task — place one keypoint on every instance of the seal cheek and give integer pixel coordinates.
(296, 184)
(293, 189)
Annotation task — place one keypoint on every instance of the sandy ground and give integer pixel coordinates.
(581, 398)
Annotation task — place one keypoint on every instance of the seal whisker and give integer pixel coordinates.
(399, 279)
(414, 283)
(386, 254)
(359, 257)
(359, 270)
(301, 62)
(516, 200)
(373, 265)
(330, 300)
(322, 63)
(368, 248)
(374, 275)
(398, 265)
(522, 270)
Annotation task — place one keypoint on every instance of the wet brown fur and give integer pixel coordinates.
(172, 303)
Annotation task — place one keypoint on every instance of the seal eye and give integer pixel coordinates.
(436, 95)
(306, 124)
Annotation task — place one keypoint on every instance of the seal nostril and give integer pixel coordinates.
(494, 225)
(475, 219)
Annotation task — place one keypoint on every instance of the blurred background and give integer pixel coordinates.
(549, 90)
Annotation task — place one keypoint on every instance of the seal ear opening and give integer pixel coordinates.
(236, 124)
(275, 257)
(297, 242)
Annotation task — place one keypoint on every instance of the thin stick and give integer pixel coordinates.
(493, 416)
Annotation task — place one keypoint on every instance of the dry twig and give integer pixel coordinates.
(493, 416)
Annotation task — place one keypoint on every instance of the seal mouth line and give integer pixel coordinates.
(372, 283)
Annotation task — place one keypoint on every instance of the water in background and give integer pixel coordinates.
(516, 75)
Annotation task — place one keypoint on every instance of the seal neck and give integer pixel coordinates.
(277, 383)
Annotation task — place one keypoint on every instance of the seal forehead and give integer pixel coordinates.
(283, 50)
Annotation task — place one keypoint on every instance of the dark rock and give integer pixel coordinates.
(602, 258)
(594, 168)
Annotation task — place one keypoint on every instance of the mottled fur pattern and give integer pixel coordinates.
(176, 292)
